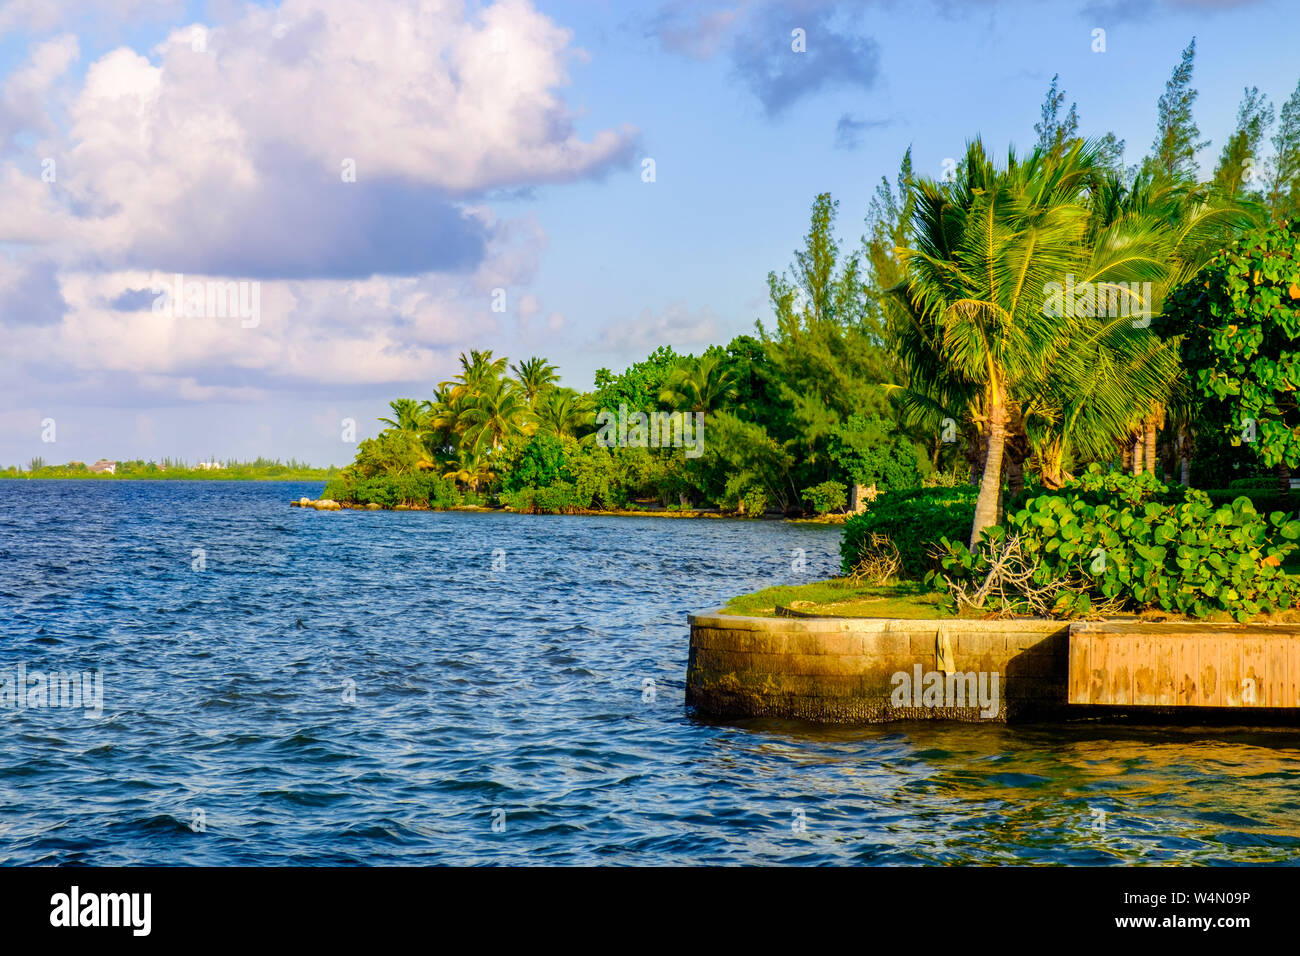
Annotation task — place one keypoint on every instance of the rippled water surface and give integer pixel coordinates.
(517, 697)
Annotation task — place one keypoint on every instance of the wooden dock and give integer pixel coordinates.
(1184, 665)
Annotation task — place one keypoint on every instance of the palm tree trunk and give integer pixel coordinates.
(1137, 455)
(1015, 475)
(986, 505)
(1184, 455)
(1150, 450)
(1052, 471)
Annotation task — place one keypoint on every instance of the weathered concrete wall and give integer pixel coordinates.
(844, 670)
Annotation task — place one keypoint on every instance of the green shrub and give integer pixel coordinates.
(341, 487)
(414, 488)
(872, 452)
(1237, 322)
(827, 497)
(521, 500)
(560, 498)
(540, 462)
(916, 521)
(755, 502)
(1265, 501)
(379, 490)
(1132, 543)
(1256, 483)
(597, 475)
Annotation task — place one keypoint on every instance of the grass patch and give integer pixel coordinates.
(839, 597)
(912, 600)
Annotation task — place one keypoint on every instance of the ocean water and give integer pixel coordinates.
(286, 686)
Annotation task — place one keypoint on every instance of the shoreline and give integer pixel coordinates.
(329, 504)
(188, 477)
(879, 670)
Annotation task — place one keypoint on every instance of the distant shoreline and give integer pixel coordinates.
(327, 504)
(186, 477)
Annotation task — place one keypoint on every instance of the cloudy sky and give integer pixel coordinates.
(382, 173)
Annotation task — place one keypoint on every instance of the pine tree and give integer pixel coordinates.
(1284, 185)
(1239, 165)
(889, 221)
(1053, 131)
(1111, 148)
(1173, 153)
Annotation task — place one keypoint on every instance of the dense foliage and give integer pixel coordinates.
(1238, 323)
(1131, 543)
(999, 327)
(914, 521)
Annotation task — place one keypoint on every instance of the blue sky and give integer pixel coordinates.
(498, 146)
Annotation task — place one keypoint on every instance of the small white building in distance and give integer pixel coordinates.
(104, 467)
(208, 465)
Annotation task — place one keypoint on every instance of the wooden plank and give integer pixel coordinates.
(1293, 667)
(1254, 672)
(1097, 656)
(1210, 665)
(1164, 660)
(1144, 669)
(1186, 671)
(1079, 677)
(1211, 684)
(1119, 661)
(1279, 674)
(1230, 673)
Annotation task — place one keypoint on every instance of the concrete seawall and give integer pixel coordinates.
(844, 670)
(875, 670)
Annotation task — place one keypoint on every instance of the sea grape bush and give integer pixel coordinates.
(1238, 323)
(913, 520)
(1138, 545)
(1265, 502)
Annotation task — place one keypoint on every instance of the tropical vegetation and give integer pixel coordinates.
(1005, 333)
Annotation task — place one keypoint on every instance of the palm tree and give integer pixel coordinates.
(493, 413)
(1190, 223)
(469, 467)
(408, 415)
(561, 412)
(535, 376)
(451, 414)
(1100, 382)
(987, 247)
(704, 385)
(480, 368)
(1105, 369)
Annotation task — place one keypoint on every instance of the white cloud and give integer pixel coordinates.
(23, 98)
(191, 158)
(219, 155)
(676, 326)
